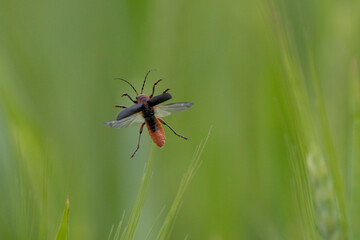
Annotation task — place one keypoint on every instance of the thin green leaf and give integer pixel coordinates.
(129, 231)
(166, 228)
(64, 226)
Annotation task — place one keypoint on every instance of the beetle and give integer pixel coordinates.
(146, 111)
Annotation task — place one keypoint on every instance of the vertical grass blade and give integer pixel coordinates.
(353, 171)
(118, 229)
(166, 228)
(130, 228)
(64, 226)
(156, 222)
(316, 159)
(327, 214)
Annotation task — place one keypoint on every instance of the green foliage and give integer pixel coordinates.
(131, 226)
(64, 225)
(278, 80)
(316, 165)
(165, 229)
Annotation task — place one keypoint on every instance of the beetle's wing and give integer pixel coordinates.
(130, 111)
(129, 121)
(159, 99)
(166, 110)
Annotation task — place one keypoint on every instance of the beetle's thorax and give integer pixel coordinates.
(142, 98)
(149, 116)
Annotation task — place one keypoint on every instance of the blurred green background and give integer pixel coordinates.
(57, 64)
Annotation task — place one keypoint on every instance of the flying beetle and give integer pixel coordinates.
(147, 111)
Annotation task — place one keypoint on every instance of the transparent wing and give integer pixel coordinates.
(129, 121)
(166, 110)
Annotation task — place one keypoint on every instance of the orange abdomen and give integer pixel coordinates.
(158, 136)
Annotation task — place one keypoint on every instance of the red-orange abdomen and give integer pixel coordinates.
(158, 136)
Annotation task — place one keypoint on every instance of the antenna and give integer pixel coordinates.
(145, 79)
(127, 83)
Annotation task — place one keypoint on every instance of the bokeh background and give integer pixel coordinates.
(57, 64)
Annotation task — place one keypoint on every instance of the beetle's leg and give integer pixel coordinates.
(163, 122)
(154, 87)
(127, 95)
(119, 106)
(166, 90)
(138, 145)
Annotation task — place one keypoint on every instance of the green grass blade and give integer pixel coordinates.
(316, 158)
(166, 228)
(111, 231)
(64, 226)
(156, 222)
(353, 171)
(118, 229)
(130, 229)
